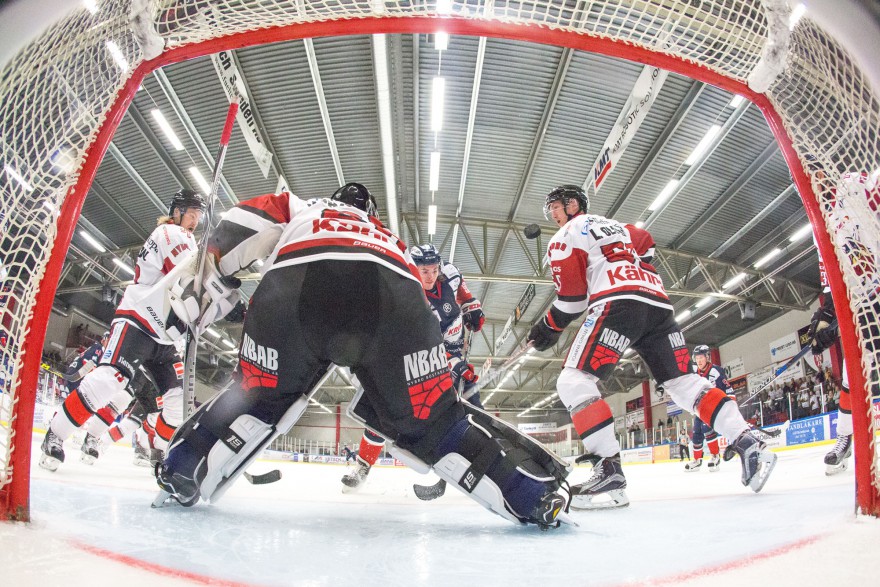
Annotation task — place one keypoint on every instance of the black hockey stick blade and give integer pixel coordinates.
(429, 492)
(264, 479)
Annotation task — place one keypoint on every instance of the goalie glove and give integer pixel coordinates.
(821, 332)
(542, 335)
(472, 315)
(219, 296)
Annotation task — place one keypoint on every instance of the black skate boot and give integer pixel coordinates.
(607, 480)
(836, 460)
(551, 511)
(757, 461)
(184, 490)
(353, 481)
(53, 452)
(694, 465)
(714, 463)
(90, 451)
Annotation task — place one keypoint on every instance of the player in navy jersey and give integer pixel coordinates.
(703, 432)
(456, 308)
(338, 288)
(84, 363)
(603, 267)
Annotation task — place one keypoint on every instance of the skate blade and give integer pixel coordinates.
(142, 463)
(767, 462)
(87, 459)
(714, 469)
(835, 469)
(350, 489)
(49, 463)
(693, 470)
(616, 499)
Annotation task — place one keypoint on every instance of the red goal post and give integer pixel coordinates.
(63, 95)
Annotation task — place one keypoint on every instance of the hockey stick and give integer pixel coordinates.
(264, 479)
(778, 373)
(193, 332)
(509, 363)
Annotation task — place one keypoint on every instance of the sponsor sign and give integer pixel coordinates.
(760, 377)
(536, 427)
(505, 332)
(634, 112)
(636, 417)
(672, 409)
(806, 430)
(233, 85)
(784, 348)
(734, 368)
(637, 455)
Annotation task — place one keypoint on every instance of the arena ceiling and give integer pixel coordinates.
(518, 119)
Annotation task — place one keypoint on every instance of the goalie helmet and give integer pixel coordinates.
(184, 199)
(425, 255)
(355, 194)
(702, 349)
(564, 194)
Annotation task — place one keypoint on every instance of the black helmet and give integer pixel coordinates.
(186, 198)
(355, 194)
(425, 255)
(702, 349)
(565, 193)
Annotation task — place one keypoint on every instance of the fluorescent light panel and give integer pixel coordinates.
(438, 87)
(92, 241)
(801, 233)
(229, 343)
(119, 263)
(212, 332)
(734, 280)
(432, 219)
(640, 224)
(441, 41)
(166, 128)
(767, 258)
(200, 179)
(117, 55)
(703, 145)
(796, 15)
(17, 177)
(736, 101)
(434, 175)
(705, 301)
(444, 6)
(91, 6)
(683, 316)
(664, 193)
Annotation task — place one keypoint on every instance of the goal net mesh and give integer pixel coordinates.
(57, 92)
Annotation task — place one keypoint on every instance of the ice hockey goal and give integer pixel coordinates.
(62, 96)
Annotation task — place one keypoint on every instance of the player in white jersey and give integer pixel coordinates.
(142, 333)
(703, 432)
(339, 288)
(857, 239)
(603, 267)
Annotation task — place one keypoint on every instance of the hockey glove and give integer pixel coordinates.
(472, 315)
(219, 296)
(462, 371)
(821, 332)
(542, 335)
(237, 314)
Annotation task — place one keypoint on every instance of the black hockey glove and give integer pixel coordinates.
(237, 314)
(472, 315)
(542, 335)
(821, 332)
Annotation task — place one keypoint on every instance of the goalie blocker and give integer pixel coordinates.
(292, 335)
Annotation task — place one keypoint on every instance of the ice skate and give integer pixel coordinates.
(714, 463)
(53, 452)
(352, 481)
(89, 449)
(550, 512)
(837, 460)
(607, 480)
(176, 486)
(757, 461)
(694, 465)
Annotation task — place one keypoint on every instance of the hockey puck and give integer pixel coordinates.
(532, 231)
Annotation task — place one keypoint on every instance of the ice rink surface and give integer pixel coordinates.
(93, 525)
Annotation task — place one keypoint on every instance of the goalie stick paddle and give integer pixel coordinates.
(193, 332)
(429, 492)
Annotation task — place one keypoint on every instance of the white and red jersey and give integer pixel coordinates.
(595, 259)
(142, 307)
(289, 231)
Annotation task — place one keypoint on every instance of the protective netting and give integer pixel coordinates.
(56, 93)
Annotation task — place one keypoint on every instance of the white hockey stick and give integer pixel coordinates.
(194, 332)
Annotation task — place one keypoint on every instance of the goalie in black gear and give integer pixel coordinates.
(341, 289)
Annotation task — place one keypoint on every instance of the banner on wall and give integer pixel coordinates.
(734, 368)
(784, 348)
(636, 417)
(760, 377)
(806, 430)
(536, 427)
